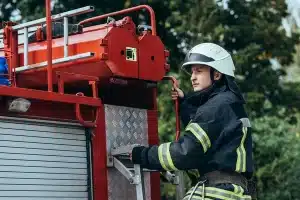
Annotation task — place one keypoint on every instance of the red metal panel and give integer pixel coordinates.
(99, 159)
(91, 66)
(109, 45)
(118, 40)
(38, 51)
(53, 110)
(152, 58)
(48, 96)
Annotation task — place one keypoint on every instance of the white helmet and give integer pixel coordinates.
(212, 55)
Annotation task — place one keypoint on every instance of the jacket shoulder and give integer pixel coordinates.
(226, 97)
(222, 105)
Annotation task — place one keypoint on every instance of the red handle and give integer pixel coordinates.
(175, 84)
(128, 10)
(79, 117)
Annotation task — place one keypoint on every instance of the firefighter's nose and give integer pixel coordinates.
(193, 78)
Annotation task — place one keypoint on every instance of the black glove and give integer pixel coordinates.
(136, 154)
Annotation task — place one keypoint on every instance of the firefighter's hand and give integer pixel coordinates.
(177, 92)
(136, 154)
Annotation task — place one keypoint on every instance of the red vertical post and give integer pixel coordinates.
(177, 119)
(7, 40)
(100, 184)
(154, 140)
(14, 57)
(175, 84)
(49, 45)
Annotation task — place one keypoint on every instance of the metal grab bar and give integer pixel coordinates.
(180, 177)
(175, 84)
(151, 11)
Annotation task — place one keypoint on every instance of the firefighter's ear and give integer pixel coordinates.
(217, 75)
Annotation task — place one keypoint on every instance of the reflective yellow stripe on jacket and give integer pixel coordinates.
(241, 151)
(212, 192)
(164, 156)
(200, 134)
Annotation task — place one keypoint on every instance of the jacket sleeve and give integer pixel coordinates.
(169, 156)
(191, 149)
(186, 110)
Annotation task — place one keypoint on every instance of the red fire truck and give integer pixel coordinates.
(74, 97)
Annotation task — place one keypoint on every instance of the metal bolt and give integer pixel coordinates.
(131, 181)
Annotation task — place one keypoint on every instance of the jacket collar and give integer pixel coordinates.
(200, 97)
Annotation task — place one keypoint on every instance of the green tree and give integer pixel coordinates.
(6, 9)
(277, 158)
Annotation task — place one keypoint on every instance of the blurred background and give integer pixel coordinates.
(263, 37)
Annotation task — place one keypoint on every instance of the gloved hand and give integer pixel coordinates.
(136, 154)
(177, 92)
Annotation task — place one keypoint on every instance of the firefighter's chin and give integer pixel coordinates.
(197, 87)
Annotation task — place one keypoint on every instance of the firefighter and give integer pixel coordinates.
(217, 139)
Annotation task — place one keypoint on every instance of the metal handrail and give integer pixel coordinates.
(128, 10)
(175, 84)
(56, 17)
(28, 26)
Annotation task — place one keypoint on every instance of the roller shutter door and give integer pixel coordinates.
(42, 160)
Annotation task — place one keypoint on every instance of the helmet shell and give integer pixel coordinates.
(212, 55)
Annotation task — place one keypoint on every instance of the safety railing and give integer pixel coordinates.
(25, 28)
(128, 10)
(32, 26)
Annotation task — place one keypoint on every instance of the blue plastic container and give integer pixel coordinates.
(3, 70)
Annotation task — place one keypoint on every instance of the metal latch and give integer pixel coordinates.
(136, 177)
(142, 28)
(171, 178)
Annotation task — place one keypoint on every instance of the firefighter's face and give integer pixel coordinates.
(201, 77)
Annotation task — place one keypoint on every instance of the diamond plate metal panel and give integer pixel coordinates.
(125, 126)
(120, 189)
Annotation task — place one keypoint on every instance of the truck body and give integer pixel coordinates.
(75, 93)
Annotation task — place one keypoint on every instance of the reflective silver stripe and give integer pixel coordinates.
(197, 198)
(200, 134)
(238, 189)
(218, 193)
(161, 158)
(164, 156)
(194, 172)
(241, 190)
(241, 154)
(246, 122)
